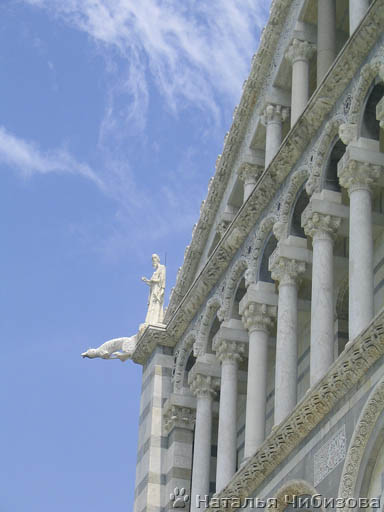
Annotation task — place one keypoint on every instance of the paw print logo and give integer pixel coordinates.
(179, 498)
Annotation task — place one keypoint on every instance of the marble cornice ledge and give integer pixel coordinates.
(152, 336)
(319, 106)
(318, 402)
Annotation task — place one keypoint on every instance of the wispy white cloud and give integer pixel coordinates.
(192, 51)
(27, 158)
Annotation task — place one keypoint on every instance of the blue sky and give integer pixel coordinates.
(112, 114)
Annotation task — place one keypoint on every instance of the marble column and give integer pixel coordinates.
(326, 36)
(286, 272)
(273, 118)
(358, 177)
(298, 54)
(357, 10)
(249, 174)
(204, 388)
(258, 319)
(322, 228)
(229, 354)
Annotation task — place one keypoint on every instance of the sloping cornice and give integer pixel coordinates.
(320, 105)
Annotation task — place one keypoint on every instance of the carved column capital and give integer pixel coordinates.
(227, 350)
(249, 173)
(380, 112)
(274, 114)
(300, 50)
(355, 175)
(260, 317)
(204, 385)
(285, 270)
(177, 416)
(319, 225)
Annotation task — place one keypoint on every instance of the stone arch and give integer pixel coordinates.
(320, 154)
(365, 426)
(181, 357)
(212, 307)
(291, 489)
(297, 180)
(261, 236)
(368, 73)
(235, 275)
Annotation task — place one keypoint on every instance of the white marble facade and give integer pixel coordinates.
(259, 379)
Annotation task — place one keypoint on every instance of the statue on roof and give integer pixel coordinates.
(123, 348)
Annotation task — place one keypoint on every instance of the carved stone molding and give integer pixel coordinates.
(320, 225)
(235, 274)
(300, 50)
(321, 399)
(181, 355)
(262, 233)
(213, 305)
(281, 227)
(363, 431)
(291, 490)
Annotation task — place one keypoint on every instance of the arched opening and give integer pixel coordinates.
(213, 331)
(189, 364)
(331, 180)
(269, 246)
(300, 205)
(240, 292)
(370, 126)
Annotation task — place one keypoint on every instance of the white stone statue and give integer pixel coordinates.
(118, 348)
(123, 348)
(156, 283)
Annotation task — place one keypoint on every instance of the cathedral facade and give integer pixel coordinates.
(263, 386)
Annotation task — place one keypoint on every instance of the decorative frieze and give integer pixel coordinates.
(330, 455)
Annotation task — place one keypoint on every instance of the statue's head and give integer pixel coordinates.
(155, 260)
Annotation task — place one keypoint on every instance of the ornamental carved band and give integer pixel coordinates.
(259, 317)
(354, 175)
(229, 351)
(300, 50)
(319, 225)
(204, 385)
(285, 270)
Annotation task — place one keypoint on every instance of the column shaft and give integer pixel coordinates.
(256, 391)
(322, 315)
(326, 36)
(227, 435)
(273, 140)
(357, 10)
(360, 261)
(300, 88)
(202, 449)
(286, 351)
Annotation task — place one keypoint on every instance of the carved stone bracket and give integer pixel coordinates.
(348, 132)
